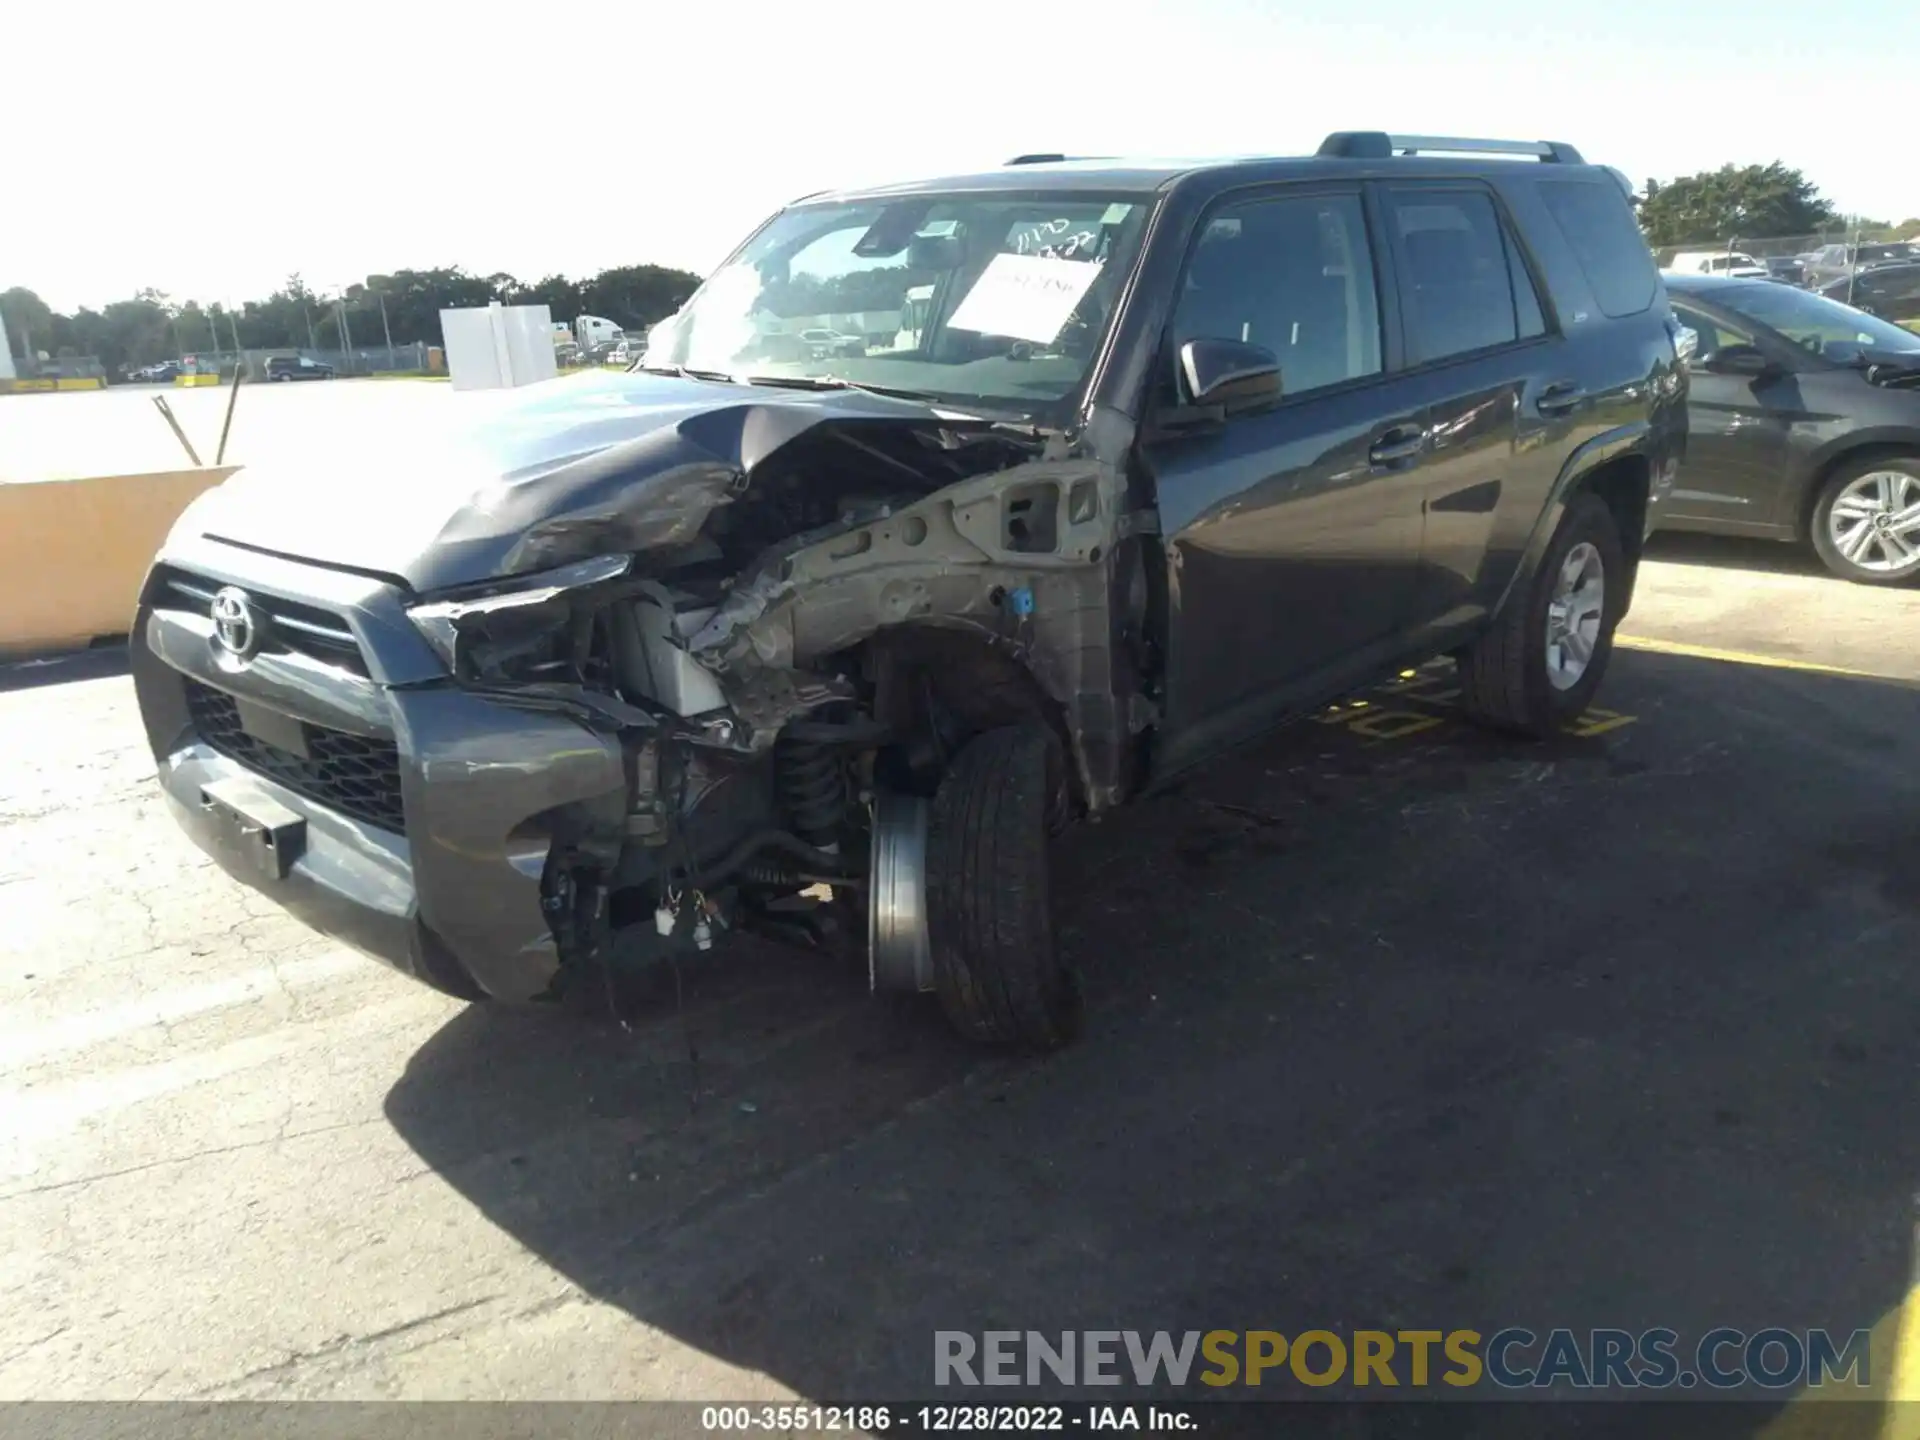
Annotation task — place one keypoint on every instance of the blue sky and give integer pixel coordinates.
(210, 148)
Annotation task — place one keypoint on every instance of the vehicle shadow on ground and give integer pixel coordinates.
(1729, 552)
(1439, 1031)
(104, 661)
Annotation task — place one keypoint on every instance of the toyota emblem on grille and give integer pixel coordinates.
(233, 623)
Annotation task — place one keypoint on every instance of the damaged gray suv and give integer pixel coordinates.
(1109, 467)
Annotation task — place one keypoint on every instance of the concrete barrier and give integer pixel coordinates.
(45, 384)
(73, 552)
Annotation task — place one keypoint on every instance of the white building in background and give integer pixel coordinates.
(6, 353)
(496, 347)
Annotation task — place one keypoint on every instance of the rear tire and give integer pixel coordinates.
(1515, 677)
(990, 920)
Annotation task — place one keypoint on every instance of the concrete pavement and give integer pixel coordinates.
(1706, 593)
(1434, 1029)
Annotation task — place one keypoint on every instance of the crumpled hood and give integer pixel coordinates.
(499, 483)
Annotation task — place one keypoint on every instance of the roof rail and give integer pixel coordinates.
(1378, 145)
(1044, 158)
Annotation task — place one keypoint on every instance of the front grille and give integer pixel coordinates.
(348, 773)
(286, 625)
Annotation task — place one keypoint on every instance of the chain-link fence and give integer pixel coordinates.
(1867, 269)
(64, 367)
(370, 360)
(361, 360)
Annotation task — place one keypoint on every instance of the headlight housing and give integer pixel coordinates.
(523, 630)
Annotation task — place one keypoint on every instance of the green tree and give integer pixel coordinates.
(151, 327)
(1747, 202)
(29, 322)
(635, 296)
(283, 320)
(195, 331)
(127, 332)
(414, 300)
(560, 295)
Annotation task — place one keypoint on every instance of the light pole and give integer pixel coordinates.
(239, 355)
(385, 328)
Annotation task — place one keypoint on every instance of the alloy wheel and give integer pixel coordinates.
(1875, 522)
(1574, 612)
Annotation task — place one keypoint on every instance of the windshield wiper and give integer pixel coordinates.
(837, 382)
(681, 372)
(1019, 424)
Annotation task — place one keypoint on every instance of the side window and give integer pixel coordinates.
(1599, 227)
(1458, 285)
(1526, 299)
(1294, 275)
(1713, 335)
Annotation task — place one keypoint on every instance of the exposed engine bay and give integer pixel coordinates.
(790, 680)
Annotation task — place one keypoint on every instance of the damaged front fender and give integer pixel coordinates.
(1018, 556)
(955, 555)
(774, 538)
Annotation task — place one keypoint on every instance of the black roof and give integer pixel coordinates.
(1092, 175)
(1361, 154)
(1710, 287)
(1705, 284)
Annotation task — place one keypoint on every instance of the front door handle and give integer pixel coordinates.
(1402, 442)
(1559, 398)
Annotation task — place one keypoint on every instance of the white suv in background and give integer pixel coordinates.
(1733, 264)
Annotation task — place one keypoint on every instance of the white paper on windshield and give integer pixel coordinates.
(1025, 297)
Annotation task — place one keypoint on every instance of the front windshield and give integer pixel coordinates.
(1000, 298)
(1824, 326)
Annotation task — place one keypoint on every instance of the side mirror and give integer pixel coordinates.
(1229, 373)
(1738, 360)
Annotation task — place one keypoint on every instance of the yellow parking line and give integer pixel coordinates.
(1903, 1375)
(1740, 657)
(1893, 1388)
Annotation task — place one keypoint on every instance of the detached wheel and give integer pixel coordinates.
(1544, 658)
(989, 907)
(1866, 521)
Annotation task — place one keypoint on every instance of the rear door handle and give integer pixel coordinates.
(1559, 398)
(1402, 442)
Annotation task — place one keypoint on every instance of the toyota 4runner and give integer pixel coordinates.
(754, 637)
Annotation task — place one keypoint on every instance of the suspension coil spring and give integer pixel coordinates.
(771, 873)
(812, 789)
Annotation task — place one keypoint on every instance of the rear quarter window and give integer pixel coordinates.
(1600, 230)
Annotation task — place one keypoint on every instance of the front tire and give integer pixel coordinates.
(990, 921)
(1543, 660)
(1866, 521)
